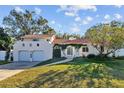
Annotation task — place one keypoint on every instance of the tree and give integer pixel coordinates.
(67, 36)
(50, 31)
(116, 24)
(23, 23)
(106, 37)
(5, 41)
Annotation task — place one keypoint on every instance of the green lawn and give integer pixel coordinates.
(4, 62)
(50, 61)
(77, 73)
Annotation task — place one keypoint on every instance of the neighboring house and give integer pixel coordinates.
(2, 55)
(33, 48)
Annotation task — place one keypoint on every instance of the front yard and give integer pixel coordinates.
(78, 73)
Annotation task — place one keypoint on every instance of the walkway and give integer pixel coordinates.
(59, 62)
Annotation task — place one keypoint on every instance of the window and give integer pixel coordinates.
(23, 44)
(38, 44)
(85, 49)
(70, 51)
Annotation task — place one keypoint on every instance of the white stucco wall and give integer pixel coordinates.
(2, 55)
(43, 46)
(92, 50)
(79, 52)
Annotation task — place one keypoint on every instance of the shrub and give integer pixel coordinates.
(91, 56)
(102, 58)
(120, 57)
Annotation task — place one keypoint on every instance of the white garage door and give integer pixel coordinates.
(24, 56)
(37, 55)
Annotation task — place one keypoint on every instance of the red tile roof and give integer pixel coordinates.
(75, 41)
(39, 36)
(57, 40)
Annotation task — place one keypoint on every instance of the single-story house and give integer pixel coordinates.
(33, 48)
(78, 48)
(74, 48)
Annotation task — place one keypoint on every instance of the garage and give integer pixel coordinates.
(24, 56)
(37, 55)
(32, 51)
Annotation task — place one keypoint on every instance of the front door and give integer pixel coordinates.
(70, 51)
(56, 52)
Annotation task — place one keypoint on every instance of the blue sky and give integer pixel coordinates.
(71, 19)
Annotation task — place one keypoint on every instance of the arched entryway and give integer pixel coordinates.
(56, 52)
(70, 51)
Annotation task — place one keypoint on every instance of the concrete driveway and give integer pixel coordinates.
(11, 69)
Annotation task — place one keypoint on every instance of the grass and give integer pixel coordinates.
(4, 62)
(76, 74)
(50, 61)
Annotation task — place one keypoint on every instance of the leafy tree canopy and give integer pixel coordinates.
(5, 40)
(23, 23)
(108, 36)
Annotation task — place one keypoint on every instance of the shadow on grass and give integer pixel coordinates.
(50, 61)
(73, 77)
(81, 73)
(115, 66)
(55, 79)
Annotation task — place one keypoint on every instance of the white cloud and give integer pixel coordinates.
(117, 16)
(118, 6)
(19, 9)
(87, 20)
(62, 8)
(87, 7)
(107, 17)
(70, 14)
(53, 22)
(37, 10)
(97, 15)
(72, 10)
(78, 19)
(74, 28)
